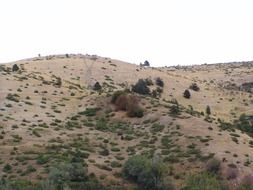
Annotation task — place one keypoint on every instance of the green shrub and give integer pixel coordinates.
(175, 110)
(159, 82)
(65, 173)
(117, 94)
(12, 97)
(29, 170)
(146, 63)
(213, 166)
(134, 167)
(208, 110)
(58, 82)
(146, 173)
(101, 125)
(7, 168)
(97, 86)
(187, 94)
(115, 149)
(194, 87)
(89, 112)
(135, 111)
(115, 164)
(157, 128)
(104, 152)
(244, 124)
(141, 87)
(15, 68)
(204, 181)
(42, 159)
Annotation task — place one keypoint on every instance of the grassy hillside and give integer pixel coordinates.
(57, 115)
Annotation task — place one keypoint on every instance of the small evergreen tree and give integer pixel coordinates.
(208, 110)
(146, 63)
(15, 68)
(187, 94)
(175, 110)
(141, 87)
(97, 86)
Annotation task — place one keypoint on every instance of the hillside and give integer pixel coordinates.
(51, 114)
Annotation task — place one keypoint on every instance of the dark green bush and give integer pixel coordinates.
(89, 112)
(157, 128)
(187, 94)
(146, 63)
(135, 111)
(146, 173)
(12, 97)
(15, 68)
(42, 159)
(7, 168)
(58, 82)
(141, 87)
(104, 152)
(244, 124)
(66, 173)
(159, 82)
(134, 167)
(175, 110)
(208, 110)
(97, 86)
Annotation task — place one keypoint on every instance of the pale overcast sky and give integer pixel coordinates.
(165, 32)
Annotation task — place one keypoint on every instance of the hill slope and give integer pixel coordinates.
(49, 112)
